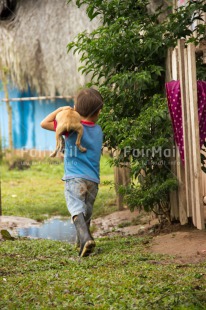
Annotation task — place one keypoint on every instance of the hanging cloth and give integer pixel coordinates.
(174, 104)
(201, 91)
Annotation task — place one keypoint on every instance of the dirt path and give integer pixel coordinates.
(185, 244)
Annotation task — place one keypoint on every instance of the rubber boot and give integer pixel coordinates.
(77, 241)
(87, 243)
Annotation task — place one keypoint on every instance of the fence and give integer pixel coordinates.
(187, 202)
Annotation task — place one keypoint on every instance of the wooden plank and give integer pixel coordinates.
(181, 46)
(199, 211)
(174, 6)
(175, 65)
(181, 191)
(121, 177)
(169, 65)
(174, 202)
(190, 189)
(4, 78)
(203, 181)
(204, 193)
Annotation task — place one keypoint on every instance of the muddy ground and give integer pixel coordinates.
(185, 243)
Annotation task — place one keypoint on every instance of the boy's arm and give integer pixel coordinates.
(48, 121)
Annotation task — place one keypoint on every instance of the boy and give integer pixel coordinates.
(81, 170)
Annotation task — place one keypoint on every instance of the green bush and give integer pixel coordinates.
(126, 56)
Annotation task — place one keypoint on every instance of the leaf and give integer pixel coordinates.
(6, 235)
(203, 169)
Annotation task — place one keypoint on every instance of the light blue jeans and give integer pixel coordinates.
(80, 195)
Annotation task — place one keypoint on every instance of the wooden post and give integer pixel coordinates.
(181, 191)
(175, 65)
(190, 192)
(198, 213)
(174, 203)
(185, 122)
(121, 177)
(8, 106)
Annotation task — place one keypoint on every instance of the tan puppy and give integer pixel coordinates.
(67, 120)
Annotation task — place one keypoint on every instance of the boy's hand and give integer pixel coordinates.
(48, 121)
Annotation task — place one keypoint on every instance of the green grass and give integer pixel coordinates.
(38, 192)
(122, 274)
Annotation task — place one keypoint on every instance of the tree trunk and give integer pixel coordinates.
(8, 106)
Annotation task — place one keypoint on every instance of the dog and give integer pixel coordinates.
(67, 120)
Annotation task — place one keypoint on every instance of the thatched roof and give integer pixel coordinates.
(34, 45)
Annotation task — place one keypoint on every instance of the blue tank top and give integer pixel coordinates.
(83, 165)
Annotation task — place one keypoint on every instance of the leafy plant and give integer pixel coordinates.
(126, 56)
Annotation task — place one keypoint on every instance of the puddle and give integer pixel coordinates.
(54, 229)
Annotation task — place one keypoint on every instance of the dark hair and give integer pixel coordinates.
(88, 102)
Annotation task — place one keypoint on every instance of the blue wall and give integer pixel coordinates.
(26, 117)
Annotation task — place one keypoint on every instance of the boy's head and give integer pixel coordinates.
(88, 102)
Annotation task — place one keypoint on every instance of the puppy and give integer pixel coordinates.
(68, 119)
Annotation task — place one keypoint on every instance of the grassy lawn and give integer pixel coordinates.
(38, 192)
(122, 274)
